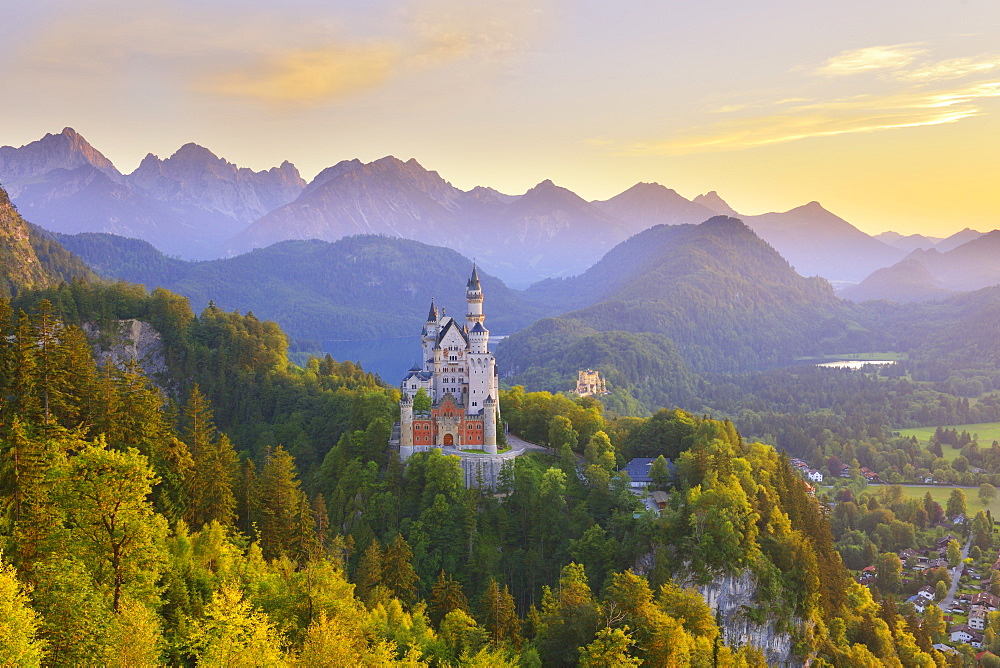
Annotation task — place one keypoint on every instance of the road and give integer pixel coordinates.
(956, 575)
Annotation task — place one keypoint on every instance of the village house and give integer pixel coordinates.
(977, 618)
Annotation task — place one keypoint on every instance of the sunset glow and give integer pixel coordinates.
(886, 115)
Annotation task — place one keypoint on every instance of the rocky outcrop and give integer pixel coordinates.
(129, 341)
(734, 600)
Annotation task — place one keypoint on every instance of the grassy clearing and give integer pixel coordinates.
(941, 494)
(987, 432)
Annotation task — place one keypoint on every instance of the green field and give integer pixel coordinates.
(941, 494)
(987, 431)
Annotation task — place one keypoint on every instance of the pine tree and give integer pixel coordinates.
(499, 615)
(215, 465)
(398, 574)
(283, 521)
(370, 571)
(446, 595)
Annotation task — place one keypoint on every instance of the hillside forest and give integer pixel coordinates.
(230, 508)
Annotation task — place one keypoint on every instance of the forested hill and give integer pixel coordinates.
(259, 519)
(726, 298)
(29, 259)
(355, 288)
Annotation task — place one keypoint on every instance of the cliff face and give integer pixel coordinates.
(734, 599)
(130, 341)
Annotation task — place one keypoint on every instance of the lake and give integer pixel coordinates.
(854, 364)
(390, 358)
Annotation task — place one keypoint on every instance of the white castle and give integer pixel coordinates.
(459, 374)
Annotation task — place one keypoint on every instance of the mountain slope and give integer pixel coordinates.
(957, 239)
(971, 266)
(360, 287)
(906, 281)
(647, 204)
(28, 259)
(724, 296)
(817, 242)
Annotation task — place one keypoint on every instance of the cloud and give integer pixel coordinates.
(862, 113)
(953, 68)
(870, 59)
(292, 57)
(307, 76)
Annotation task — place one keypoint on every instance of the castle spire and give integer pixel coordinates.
(474, 279)
(432, 315)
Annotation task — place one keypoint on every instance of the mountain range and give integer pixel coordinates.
(934, 274)
(188, 205)
(196, 205)
(359, 287)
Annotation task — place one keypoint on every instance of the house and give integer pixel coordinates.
(660, 499)
(977, 618)
(638, 472)
(962, 633)
(815, 476)
(926, 592)
(985, 599)
(945, 649)
(943, 542)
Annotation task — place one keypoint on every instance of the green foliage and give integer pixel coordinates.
(19, 644)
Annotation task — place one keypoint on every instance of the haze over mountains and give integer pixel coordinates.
(196, 205)
(933, 274)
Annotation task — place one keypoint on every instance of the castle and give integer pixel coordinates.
(459, 375)
(589, 382)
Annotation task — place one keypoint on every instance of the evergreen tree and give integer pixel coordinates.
(446, 595)
(398, 574)
(499, 615)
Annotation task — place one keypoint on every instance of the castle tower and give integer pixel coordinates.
(490, 426)
(474, 297)
(405, 427)
(429, 338)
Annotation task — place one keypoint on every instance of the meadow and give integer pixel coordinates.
(987, 433)
(941, 494)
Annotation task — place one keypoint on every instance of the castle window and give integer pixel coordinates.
(475, 403)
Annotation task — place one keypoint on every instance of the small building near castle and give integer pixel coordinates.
(589, 382)
(459, 375)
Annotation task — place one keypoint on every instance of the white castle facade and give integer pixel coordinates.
(459, 375)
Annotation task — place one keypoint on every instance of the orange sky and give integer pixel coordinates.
(885, 112)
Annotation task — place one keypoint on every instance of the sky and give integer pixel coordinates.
(885, 111)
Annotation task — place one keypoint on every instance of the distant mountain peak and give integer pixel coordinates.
(191, 151)
(711, 200)
(67, 150)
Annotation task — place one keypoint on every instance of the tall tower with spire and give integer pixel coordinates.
(459, 374)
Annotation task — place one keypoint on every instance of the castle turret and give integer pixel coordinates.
(490, 426)
(405, 427)
(474, 297)
(429, 338)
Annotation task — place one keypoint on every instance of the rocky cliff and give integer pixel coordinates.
(736, 604)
